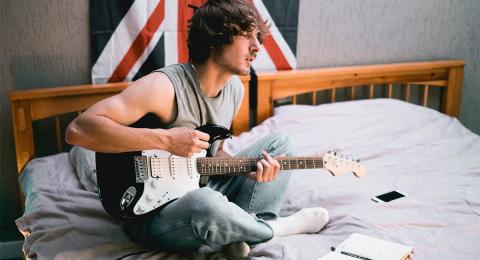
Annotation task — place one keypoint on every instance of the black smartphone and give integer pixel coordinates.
(389, 196)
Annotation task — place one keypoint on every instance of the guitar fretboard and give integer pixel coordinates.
(239, 165)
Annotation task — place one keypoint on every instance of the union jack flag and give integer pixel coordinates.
(131, 38)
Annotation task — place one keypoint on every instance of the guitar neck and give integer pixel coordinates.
(243, 165)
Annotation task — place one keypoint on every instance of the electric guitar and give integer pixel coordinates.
(136, 183)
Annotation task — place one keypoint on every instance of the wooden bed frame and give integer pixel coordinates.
(32, 105)
(36, 104)
(446, 74)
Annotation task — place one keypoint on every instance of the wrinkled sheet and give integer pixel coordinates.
(431, 157)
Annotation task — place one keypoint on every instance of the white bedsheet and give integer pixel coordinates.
(430, 156)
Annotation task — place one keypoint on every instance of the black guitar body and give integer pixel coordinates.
(115, 175)
(118, 182)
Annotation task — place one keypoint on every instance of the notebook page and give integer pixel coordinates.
(335, 256)
(374, 248)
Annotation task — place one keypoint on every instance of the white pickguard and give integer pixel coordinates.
(169, 177)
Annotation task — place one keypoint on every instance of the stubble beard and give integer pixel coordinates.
(236, 70)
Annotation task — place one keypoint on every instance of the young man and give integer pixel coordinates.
(223, 41)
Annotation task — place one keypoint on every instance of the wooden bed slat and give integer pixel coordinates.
(334, 95)
(371, 91)
(425, 96)
(407, 92)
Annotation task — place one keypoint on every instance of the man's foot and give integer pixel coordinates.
(237, 250)
(304, 221)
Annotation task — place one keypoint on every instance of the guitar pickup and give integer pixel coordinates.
(155, 167)
(141, 168)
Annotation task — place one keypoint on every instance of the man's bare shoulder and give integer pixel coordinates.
(152, 88)
(153, 93)
(155, 81)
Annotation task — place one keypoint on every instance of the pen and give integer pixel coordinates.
(351, 254)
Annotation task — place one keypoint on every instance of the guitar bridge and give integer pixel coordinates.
(141, 168)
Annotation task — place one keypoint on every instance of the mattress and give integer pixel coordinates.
(428, 155)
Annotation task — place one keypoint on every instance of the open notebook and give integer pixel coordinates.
(359, 246)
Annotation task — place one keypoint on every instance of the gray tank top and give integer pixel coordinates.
(194, 107)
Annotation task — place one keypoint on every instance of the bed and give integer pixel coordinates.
(369, 115)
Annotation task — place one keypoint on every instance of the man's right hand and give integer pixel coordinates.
(185, 142)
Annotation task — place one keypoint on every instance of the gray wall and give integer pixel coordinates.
(348, 32)
(43, 44)
(46, 43)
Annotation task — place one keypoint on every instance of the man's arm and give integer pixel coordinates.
(221, 152)
(104, 126)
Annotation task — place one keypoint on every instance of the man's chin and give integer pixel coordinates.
(242, 71)
(245, 72)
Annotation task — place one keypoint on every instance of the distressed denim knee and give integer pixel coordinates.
(216, 221)
(276, 144)
(205, 203)
(279, 144)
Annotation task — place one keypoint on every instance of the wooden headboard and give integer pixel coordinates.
(32, 105)
(446, 74)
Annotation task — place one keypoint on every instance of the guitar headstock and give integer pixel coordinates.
(338, 164)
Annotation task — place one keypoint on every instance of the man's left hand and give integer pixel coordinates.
(267, 169)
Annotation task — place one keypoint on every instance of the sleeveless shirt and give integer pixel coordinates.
(193, 107)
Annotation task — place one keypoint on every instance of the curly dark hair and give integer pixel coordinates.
(214, 24)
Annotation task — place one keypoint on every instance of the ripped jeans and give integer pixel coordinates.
(227, 210)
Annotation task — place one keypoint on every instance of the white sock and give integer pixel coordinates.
(304, 221)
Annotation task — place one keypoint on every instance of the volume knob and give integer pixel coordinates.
(140, 209)
(149, 197)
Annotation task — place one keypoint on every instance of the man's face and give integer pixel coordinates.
(238, 56)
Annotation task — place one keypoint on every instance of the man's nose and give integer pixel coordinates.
(255, 45)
